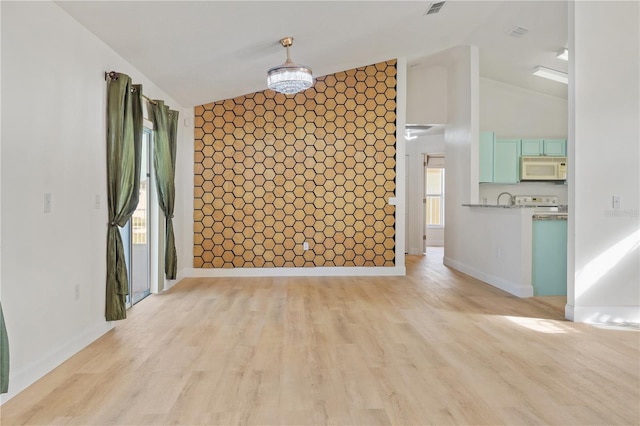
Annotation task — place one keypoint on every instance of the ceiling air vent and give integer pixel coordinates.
(518, 31)
(435, 7)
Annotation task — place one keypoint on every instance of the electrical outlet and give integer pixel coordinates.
(305, 246)
(498, 253)
(96, 204)
(76, 291)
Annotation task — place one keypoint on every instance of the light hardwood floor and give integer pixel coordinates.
(434, 347)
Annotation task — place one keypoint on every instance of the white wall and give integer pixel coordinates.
(489, 244)
(604, 259)
(427, 94)
(53, 141)
(461, 134)
(415, 191)
(514, 112)
(499, 248)
(183, 225)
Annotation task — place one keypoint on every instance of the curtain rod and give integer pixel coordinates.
(114, 76)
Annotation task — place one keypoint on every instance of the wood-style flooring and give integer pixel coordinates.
(434, 347)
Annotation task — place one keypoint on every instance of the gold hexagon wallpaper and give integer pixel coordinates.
(273, 172)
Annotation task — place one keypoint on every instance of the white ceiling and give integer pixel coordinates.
(203, 51)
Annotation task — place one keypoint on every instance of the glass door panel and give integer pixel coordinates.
(139, 228)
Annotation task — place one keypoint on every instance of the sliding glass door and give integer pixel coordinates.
(140, 241)
(136, 234)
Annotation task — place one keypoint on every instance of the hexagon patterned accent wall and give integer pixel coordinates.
(273, 172)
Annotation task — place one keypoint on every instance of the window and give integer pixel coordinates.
(434, 197)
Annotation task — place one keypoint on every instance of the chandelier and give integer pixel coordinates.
(289, 78)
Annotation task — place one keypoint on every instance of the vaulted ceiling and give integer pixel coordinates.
(203, 51)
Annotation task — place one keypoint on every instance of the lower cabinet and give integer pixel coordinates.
(549, 266)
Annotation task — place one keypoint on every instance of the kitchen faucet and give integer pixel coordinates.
(505, 193)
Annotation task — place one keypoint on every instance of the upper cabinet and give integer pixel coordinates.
(499, 159)
(532, 147)
(487, 140)
(549, 147)
(555, 147)
(506, 161)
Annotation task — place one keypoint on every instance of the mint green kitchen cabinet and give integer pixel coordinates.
(550, 147)
(549, 263)
(506, 160)
(532, 147)
(487, 139)
(555, 147)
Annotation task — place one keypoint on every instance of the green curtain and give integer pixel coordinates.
(4, 356)
(165, 124)
(124, 142)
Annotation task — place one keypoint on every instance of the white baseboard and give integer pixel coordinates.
(603, 314)
(19, 380)
(415, 251)
(320, 271)
(435, 243)
(510, 287)
(182, 274)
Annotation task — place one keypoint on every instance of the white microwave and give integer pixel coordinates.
(543, 168)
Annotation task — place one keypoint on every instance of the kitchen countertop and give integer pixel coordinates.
(539, 212)
(550, 216)
(496, 206)
(557, 209)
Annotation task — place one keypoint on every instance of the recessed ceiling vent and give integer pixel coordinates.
(435, 7)
(518, 31)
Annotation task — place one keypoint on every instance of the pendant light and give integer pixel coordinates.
(289, 78)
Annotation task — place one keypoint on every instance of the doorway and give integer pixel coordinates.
(433, 214)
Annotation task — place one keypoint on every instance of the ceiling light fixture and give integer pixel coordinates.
(554, 75)
(289, 78)
(563, 54)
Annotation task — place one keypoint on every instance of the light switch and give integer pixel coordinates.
(392, 201)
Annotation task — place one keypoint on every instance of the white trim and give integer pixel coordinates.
(30, 373)
(516, 289)
(603, 314)
(435, 243)
(320, 271)
(401, 170)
